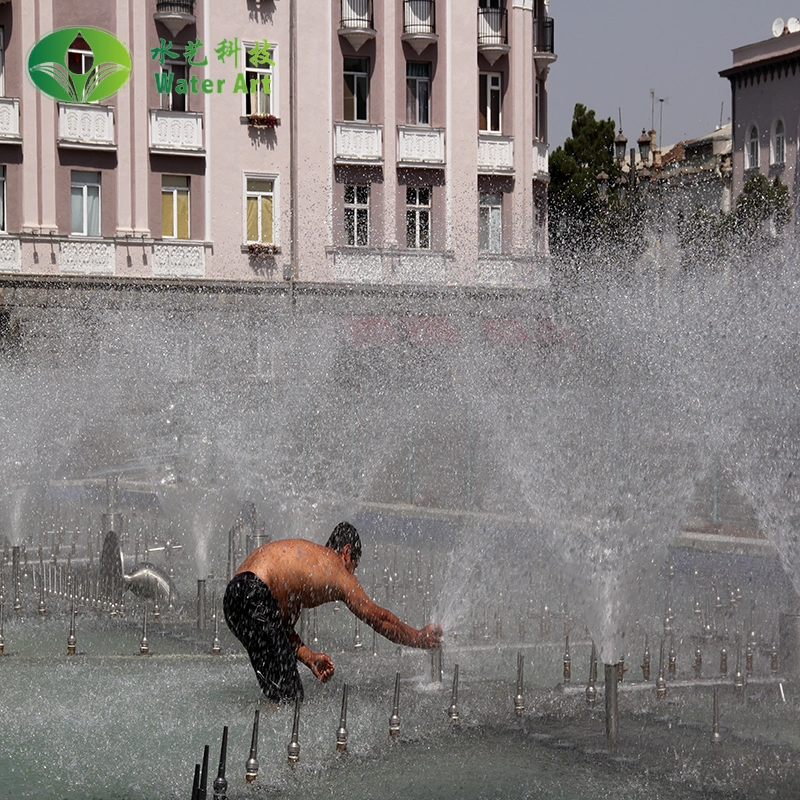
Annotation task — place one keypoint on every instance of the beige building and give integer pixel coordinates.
(765, 86)
(377, 142)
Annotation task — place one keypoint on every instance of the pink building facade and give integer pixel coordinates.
(376, 142)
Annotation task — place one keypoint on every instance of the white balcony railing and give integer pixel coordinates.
(176, 132)
(86, 126)
(86, 257)
(541, 161)
(420, 146)
(357, 143)
(9, 119)
(495, 154)
(184, 260)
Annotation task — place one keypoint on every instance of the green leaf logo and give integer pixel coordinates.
(79, 65)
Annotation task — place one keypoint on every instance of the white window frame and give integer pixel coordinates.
(494, 84)
(175, 190)
(418, 210)
(276, 228)
(359, 210)
(751, 145)
(272, 97)
(362, 77)
(779, 143)
(413, 107)
(490, 222)
(3, 205)
(84, 185)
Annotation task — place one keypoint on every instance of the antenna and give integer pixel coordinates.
(793, 24)
(652, 109)
(620, 117)
(721, 108)
(777, 27)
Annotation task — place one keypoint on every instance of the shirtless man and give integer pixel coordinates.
(277, 580)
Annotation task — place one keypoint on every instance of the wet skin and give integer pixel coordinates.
(301, 574)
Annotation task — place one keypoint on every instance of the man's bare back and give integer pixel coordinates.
(301, 574)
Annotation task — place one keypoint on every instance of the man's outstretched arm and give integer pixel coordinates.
(320, 664)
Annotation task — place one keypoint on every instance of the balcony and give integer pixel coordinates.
(544, 52)
(495, 155)
(419, 23)
(176, 15)
(176, 132)
(179, 260)
(357, 24)
(9, 120)
(85, 126)
(493, 33)
(86, 257)
(541, 161)
(357, 143)
(420, 147)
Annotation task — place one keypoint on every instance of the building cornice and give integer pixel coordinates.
(763, 69)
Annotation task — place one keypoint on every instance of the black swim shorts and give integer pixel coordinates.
(253, 616)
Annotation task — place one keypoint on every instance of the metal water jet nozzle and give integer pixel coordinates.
(748, 660)
(715, 736)
(294, 745)
(394, 720)
(144, 647)
(251, 766)
(341, 733)
(738, 678)
(71, 640)
(698, 661)
(220, 785)
(519, 702)
(216, 647)
(437, 672)
(202, 789)
(591, 687)
(567, 661)
(2, 638)
(672, 660)
(621, 668)
(357, 643)
(611, 678)
(453, 710)
(646, 661)
(773, 659)
(723, 660)
(661, 684)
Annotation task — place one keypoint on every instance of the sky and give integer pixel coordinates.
(611, 54)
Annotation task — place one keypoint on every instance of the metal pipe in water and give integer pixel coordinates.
(519, 702)
(341, 733)
(436, 665)
(202, 789)
(698, 661)
(723, 660)
(220, 785)
(673, 659)
(357, 643)
(567, 661)
(201, 605)
(612, 730)
(661, 684)
(216, 647)
(394, 720)
(715, 737)
(71, 640)
(251, 766)
(738, 678)
(453, 710)
(591, 687)
(294, 745)
(196, 782)
(15, 580)
(2, 638)
(646, 660)
(144, 647)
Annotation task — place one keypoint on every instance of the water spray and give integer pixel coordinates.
(611, 679)
(220, 785)
(394, 720)
(519, 702)
(201, 605)
(357, 643)
(452, 711)
(294, 745)
(341, 733)
(251, 766)
(437, 671)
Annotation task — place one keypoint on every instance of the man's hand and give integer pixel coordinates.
(430, 636)
(321, 665)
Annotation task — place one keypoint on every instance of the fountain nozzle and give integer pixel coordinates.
(251, 766)
(519, 702)
(220, 785)
(294, 745)
(394, 720)
(341, 733)
(453, 710)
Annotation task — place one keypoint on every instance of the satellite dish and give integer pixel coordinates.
(777, 27)
(793, 24)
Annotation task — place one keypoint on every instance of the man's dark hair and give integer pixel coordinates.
(344, 533)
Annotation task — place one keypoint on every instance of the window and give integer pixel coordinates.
(418, 93)
(85, 203)
(779, 143)
(752, 149)
(356, 89)
(174, 207)
(259, 75)
(174, 101)
(490, 224)
(260, 210)
(489, 102)
(3, 227)
(79, 56)
(2, 63)
(356, 215)
(539, 131)
(418, 217)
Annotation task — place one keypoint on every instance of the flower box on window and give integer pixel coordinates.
(260, 249)
(264, 120)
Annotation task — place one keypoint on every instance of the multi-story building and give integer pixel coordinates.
(381, 142)
(765, 87)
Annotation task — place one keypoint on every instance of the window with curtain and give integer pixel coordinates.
(174, 207)
(258, 69)
(779, 143)
(260, 210)
(752, 148)
(418, 92)
(85, 203)
(489, 102)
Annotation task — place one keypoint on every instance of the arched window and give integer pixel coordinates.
(779, 143)
(752, 148)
